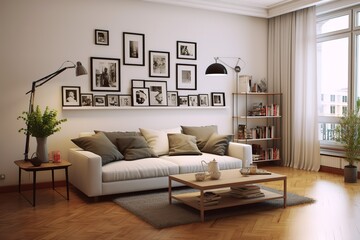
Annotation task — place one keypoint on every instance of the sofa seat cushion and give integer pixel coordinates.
(192, 163)
(138, 169)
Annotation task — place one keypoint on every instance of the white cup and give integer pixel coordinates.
(200, 176)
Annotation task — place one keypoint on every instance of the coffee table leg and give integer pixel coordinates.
(170, 198)
(285, 194)
(202, 214)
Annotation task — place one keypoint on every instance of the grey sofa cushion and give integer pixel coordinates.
(100, 145)
(134, 147)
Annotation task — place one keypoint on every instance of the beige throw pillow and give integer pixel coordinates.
(201, 133)
(158, 140)
(181, 144)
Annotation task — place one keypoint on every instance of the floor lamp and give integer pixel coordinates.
(79, 70)
(218, 69)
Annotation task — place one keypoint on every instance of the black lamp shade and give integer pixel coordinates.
(216, 69)
(80, 70)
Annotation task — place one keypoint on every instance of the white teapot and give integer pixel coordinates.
(213, 169)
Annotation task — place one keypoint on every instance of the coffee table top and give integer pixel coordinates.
(228, 178)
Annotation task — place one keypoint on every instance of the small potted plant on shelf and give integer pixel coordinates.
(348, 133)
(41, 125)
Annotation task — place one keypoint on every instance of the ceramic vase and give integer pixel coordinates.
(41, 149)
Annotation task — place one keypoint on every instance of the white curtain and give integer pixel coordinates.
(292, 71)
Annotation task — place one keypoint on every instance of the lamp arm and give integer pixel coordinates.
(47, 78)
(237, 68)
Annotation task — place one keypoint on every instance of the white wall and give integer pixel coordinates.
(38, 35)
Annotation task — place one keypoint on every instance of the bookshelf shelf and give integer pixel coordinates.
(257, 121)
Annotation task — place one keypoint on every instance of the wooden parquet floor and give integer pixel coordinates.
(335, 215)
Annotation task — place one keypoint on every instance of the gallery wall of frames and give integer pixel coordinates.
(105, 78)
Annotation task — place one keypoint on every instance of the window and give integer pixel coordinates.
(344, 110)
(333, 24)
(344, 99)
(332, 109)
(332, 98)
(338, 68)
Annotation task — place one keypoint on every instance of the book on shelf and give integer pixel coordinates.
(253, 195)
(241, 131)
(261, 132)
(209, 198)
(246, 191)
(258, 109)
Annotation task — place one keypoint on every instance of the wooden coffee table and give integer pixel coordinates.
(229, 178)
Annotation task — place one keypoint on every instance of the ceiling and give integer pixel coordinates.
(256, 8)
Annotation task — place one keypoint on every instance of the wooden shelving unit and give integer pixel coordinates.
(257, 121)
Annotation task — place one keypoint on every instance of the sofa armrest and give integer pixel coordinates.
(241, 151)
(85, 172)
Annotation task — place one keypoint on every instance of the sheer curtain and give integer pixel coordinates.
(292, 71)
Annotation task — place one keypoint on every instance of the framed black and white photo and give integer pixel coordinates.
(140, 97)
(172, 97)
(186, 50)
(159, 64)
(204, 100)
(134, 48)
(193, 100)
(137, 83)
(70, 96)
(112, 100)
(183, 101)
(186, 75)
(101, 37)
(105, 74)
(100, 100)
(86, 99)
(125, 100)
(218, 99)
(157, 92)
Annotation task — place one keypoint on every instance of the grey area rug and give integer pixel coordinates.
(154, 207)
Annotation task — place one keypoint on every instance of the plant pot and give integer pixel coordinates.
(41, 149)
(350, 174)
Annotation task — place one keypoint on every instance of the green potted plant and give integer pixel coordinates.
(41, 125)
(348, 133)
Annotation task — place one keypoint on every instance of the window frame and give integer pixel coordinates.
(332, 148)
(332, 15)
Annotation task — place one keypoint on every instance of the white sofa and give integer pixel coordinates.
(93, 178)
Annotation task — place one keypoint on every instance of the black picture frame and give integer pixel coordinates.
(101, 37)
(218, 99)
(186, 50)
(87, 100)
(112, 100)
(157, 92)
(134, 48)
(100, 101)
(140, 97)
(125, 100)
(172, 98)
(204, 100)
(193, 100)
(183, 101)
(70, 96)
(186, 76)
(159, 64)
(137, 83)
(105, 74)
